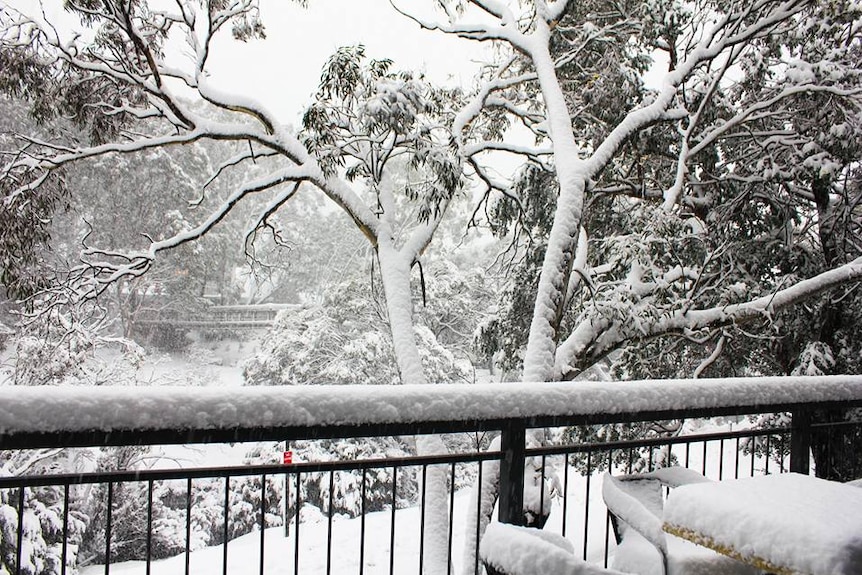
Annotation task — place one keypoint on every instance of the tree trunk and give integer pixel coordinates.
(395, 273)
(563, 239)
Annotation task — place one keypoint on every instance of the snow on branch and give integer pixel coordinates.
(97, 274)
(504, 30)
(597, 337)
(708, 50)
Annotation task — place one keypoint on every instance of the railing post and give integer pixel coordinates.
(800, 441)
(513, 445)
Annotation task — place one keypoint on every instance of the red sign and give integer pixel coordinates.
(288, 457)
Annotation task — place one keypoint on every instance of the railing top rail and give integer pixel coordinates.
(87, 416)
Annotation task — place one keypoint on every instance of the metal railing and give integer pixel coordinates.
(218, 317)
(392, 538)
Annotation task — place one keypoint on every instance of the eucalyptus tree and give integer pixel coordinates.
(627, 190)
(595, 150)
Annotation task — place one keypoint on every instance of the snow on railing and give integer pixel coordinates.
(403, 409)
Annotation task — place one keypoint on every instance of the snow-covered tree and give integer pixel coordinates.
(617, 147)
(624, 184)
(343, 339)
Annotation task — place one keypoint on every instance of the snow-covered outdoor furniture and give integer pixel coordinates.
(512, 550)
(636, 504)
(787, 523)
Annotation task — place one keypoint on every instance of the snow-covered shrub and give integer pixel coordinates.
(343, 339)
(633, 460)
(346, 486)
(207, 510)
(42, 544)
(60, 348)
(169, 516)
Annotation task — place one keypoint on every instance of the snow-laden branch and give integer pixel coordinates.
(709, 49)
(473, 109)
(137, 263)
(504, 30)
(709, 138)
(596, 337)
(530, 152)
(235, 103)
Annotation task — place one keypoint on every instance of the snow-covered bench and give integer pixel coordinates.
(512, 550)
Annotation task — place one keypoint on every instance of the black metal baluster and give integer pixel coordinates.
(753, 443)
(608, 514)
(768, 437)
(263, 520)
(687, 453)
(64, 558)
(649, 459)
(110, 513)
(329, 524)
(478, 519)
(781, 453)
(188, 523)
(392, 521)
(20, 546)
(149, 526)
(542, 488)
(451, 517)
(721, 460)
(422, 518)
(362, 522)
(736, 460)
(226, 523)
(296, 531)
(703, 463)
(565, 492)
(587, 502)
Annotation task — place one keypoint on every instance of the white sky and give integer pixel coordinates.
(283, 70)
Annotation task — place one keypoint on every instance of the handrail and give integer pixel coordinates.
(241, 470)
(32, 417)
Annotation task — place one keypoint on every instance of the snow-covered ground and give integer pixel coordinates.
(244, 552)
(217, 362)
